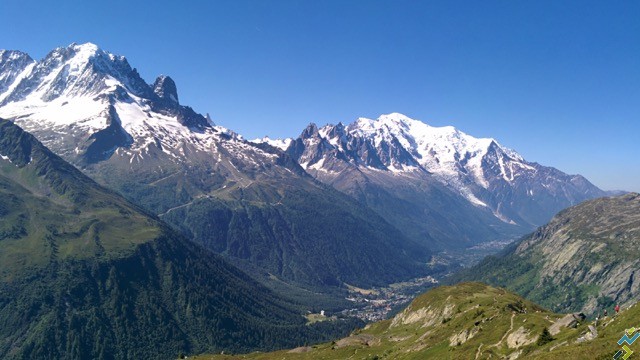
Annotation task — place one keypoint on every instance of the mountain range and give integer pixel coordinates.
(418, 189)
(441, 186)
(366, 204)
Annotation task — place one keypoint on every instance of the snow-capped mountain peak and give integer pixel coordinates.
(80, 53)
(74, 71)
(82, 89)
(438, 149)
(474, 167)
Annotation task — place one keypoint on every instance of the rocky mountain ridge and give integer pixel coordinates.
(586, 258)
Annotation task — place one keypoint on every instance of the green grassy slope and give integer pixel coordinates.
(51, 212)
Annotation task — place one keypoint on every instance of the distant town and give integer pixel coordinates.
(378, 303)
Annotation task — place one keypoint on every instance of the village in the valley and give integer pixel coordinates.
(376, 304)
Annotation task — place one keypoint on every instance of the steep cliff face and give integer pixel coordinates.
(586, 258)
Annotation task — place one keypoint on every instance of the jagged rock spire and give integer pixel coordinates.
(166, 89)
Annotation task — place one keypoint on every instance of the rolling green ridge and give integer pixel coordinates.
(52, 212)
(85, 274)
(469, 321)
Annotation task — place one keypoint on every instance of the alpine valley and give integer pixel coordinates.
(585, 259)
(472, 321)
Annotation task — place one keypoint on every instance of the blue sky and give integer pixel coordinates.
(558, 81)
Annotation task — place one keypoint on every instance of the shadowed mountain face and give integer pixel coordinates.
(86, 274)
(586, 258)
(433, 177)
(250, 202)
